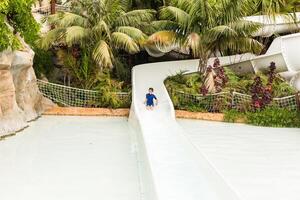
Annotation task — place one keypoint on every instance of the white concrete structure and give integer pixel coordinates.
(260, 163)
(283, 50)
(177, 170)
(70, 158)
(276, 25)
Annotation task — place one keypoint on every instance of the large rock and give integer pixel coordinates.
(20, 99)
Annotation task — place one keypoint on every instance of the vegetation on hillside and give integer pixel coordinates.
(257, 107)
(15, 16)
(190, 83)
(207, 27)
(92, 37)
(96, 43)
(110, 33)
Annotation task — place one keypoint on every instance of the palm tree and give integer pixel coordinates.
(100, 27)
(274, 7)
(206, 27)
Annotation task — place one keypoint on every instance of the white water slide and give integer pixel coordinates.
(174, 169)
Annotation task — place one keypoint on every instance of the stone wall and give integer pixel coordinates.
(20, 99)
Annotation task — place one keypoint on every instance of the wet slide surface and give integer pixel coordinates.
(259, 163)
(177, 169)
(70, 158)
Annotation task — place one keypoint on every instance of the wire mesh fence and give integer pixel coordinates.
(227, 100)
(211, 103)
(243, 102)
(75, 97)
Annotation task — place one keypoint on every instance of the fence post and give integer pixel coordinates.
(297, 95)
(232, 99)
(52, 7)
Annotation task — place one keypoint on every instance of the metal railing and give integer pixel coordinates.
(46, 10)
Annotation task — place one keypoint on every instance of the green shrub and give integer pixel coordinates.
(274, 117)
(42, 62)
(269, 117)
(17, 14)
(233, 115)
(108, 89)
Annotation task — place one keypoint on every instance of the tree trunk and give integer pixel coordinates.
(202, 65)
(52, 7)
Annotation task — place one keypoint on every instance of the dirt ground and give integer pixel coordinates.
(73, 111)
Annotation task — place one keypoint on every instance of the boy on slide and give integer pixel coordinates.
(150, 100)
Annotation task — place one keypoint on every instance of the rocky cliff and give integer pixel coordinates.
(20, 99)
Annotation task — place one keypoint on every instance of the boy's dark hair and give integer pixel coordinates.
(151, 89)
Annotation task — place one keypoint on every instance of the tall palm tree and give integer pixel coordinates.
(274, 7)
(99, 27)
(206, 27)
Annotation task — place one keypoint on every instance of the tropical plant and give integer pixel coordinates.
(273, 7)
(206, 27)
(109, 89)
(101, 27)
(274, 117)
(154, 4)
(16, 14)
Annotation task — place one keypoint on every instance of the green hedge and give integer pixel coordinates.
(269, 117)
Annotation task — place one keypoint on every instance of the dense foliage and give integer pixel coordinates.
(206, 27)
(190, 83)
(100, 28)
(110, 33)
(270, 117)
(93, 36)
(97, 40)
(262, 88)
(16, 14)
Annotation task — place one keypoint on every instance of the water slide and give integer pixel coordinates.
(174, 169)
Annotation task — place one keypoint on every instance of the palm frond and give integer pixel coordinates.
(163, 37)
(125, 42)
(102, 54)
(66, 19)
(133, 18)
(222, 31)
(183, 4)
(246, 28)
(165, 41)
(246, 44)
(53, 36)
(194, 43)
(134, 33)
(175, 14)
(102, 28)
(165, 25)
(76, 35)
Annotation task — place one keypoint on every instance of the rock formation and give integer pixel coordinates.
(20, 99)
